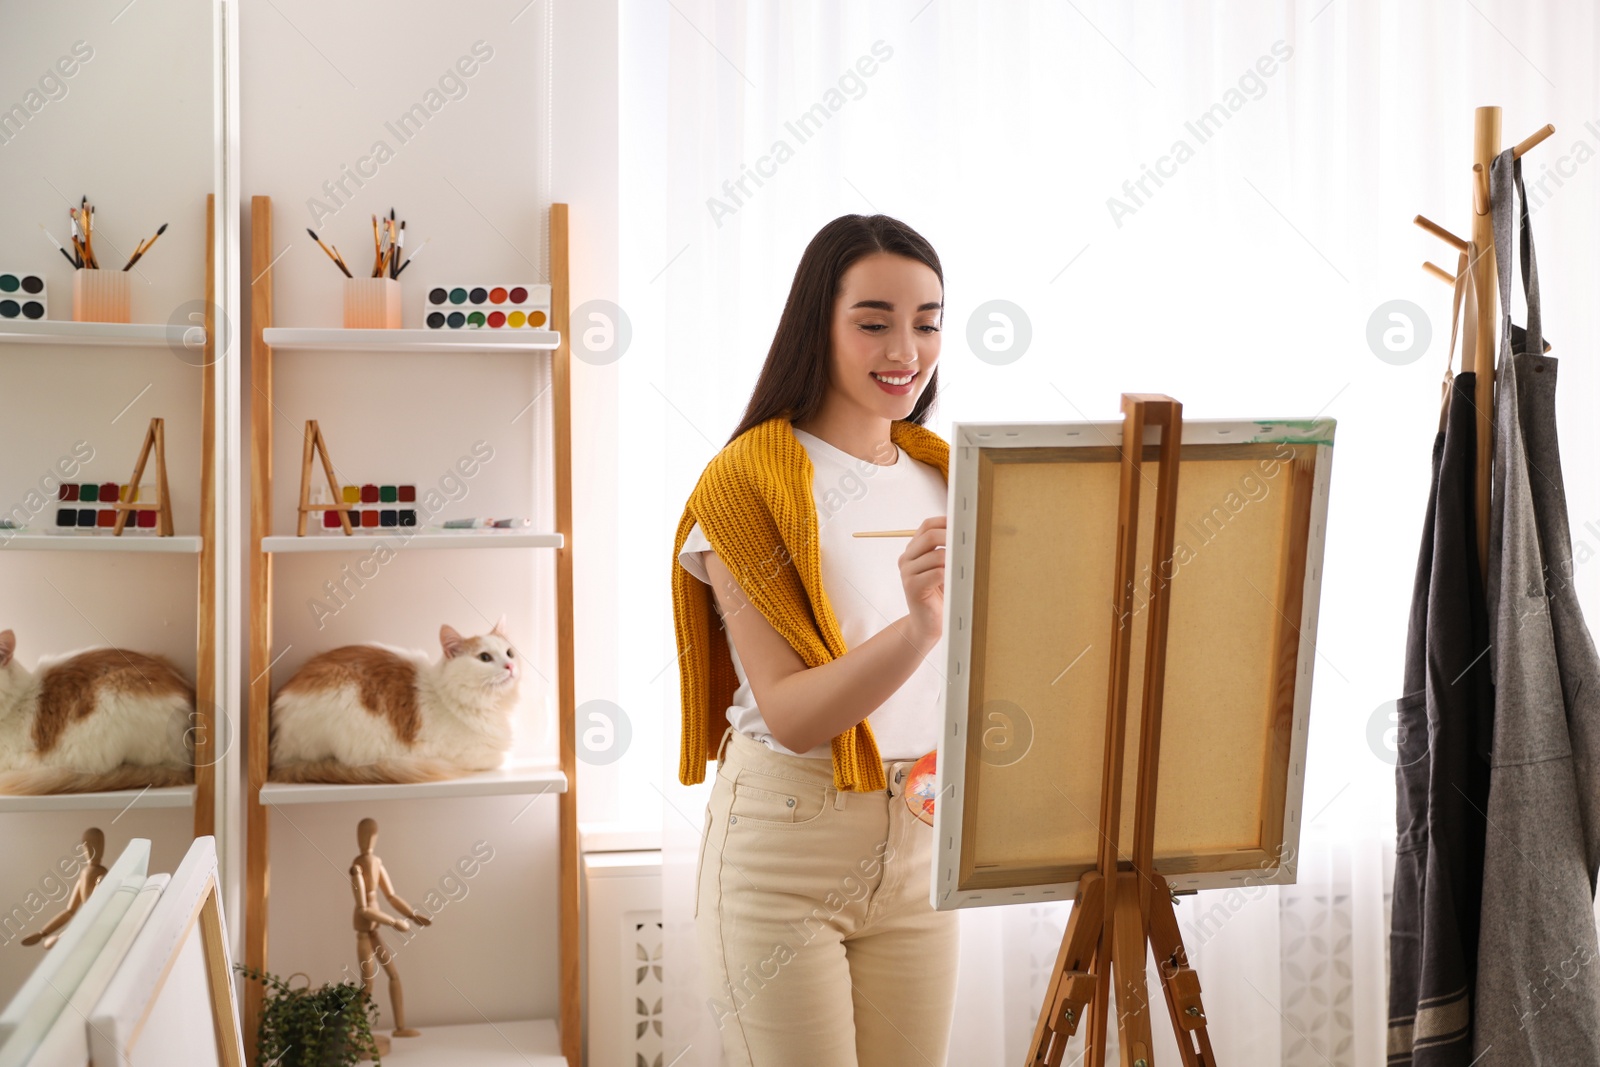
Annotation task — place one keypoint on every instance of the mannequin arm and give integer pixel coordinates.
(399, 905)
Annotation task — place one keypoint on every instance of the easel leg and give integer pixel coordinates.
(1181, 984)
(164, 516)
(138, 472)
(1071, 983)
(305, 477)
(1127, 967)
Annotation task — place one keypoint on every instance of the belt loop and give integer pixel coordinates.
(723, 745)
(838, 799)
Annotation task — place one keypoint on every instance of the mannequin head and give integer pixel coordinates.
(367, 834)
(94, 845)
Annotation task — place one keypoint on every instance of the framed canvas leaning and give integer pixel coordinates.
(1030, 588)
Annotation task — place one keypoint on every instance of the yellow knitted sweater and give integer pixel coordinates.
(754, 502)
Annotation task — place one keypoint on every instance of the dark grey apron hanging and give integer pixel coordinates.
(1441, 774)
(1538, 985)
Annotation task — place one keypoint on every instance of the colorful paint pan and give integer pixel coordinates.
(22, 296)
(372, 507)
(102, 515)
(487, 307)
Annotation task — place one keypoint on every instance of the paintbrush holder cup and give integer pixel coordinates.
(101, 295)
(372, 303)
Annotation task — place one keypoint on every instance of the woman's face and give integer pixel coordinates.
(886, 333)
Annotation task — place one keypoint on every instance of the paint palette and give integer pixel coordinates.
(922, 786)
(22, 296)
(376, 507)
(487, 307)
(92, 506)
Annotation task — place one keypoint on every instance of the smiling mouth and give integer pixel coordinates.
(894, 379)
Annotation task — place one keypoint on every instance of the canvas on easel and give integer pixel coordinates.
(1032, 546)
(1095, 701)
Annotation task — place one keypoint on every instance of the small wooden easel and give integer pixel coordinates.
(315, 444)
(154, 438)
(1120, 906)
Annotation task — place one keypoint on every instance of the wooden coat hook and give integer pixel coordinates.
(1486, 145)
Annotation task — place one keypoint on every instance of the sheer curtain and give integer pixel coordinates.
(1209, 200)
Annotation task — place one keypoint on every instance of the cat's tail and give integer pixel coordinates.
(46, 780)
(379, 773)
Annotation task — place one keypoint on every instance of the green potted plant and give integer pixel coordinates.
(330, 1026)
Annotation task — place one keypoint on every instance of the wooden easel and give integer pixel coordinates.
(1121, 906)
(315, 444)
(154, 438)
(1481, 262)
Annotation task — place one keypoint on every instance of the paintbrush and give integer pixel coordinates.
(336, 260)
(57, 243)
(144, 247)
(414, 255)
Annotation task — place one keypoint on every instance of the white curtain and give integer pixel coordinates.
(1210, 200)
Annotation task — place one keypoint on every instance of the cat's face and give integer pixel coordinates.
(488, 660)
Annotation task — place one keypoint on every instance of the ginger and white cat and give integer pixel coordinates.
(104, 718)
(372, 713)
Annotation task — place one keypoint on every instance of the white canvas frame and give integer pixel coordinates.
(191, 907)
(46, 992)
(968, 441)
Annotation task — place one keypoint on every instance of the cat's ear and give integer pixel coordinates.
(451, 641)
(499, 627)
(8, 645)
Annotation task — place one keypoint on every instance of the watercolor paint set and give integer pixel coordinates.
(22, 296)
(487, 307)
(93, 506)
(373, 507)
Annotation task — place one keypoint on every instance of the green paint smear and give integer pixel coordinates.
(1295, 432)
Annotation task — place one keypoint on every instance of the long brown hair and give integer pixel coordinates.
(794, 378)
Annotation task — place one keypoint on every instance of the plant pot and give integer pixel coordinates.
(101, 295)
(372, 303)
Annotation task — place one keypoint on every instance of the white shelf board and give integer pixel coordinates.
(175, 796)
(25, 541)
(401, 537)
(113, 334)
(464, 340)
(515, 780)
(528, 1043)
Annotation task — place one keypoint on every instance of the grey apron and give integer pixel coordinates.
(1441, 774)
(1538, 983)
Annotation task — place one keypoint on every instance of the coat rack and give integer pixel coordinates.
(1485, 147)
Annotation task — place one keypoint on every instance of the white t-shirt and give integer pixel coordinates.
(861, 577)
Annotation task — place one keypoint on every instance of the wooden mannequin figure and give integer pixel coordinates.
(94, 847)
(367, 877)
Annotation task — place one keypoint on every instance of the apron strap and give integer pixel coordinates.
(1505, 172)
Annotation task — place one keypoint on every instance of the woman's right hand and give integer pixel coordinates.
(922, 576)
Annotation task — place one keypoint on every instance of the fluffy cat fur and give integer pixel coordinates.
(100, 719)
(364, 714)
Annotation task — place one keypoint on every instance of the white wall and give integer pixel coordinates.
(134, 134)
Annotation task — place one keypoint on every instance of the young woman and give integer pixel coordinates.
(812, 905)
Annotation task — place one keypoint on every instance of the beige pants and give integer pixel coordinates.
(817, 941)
